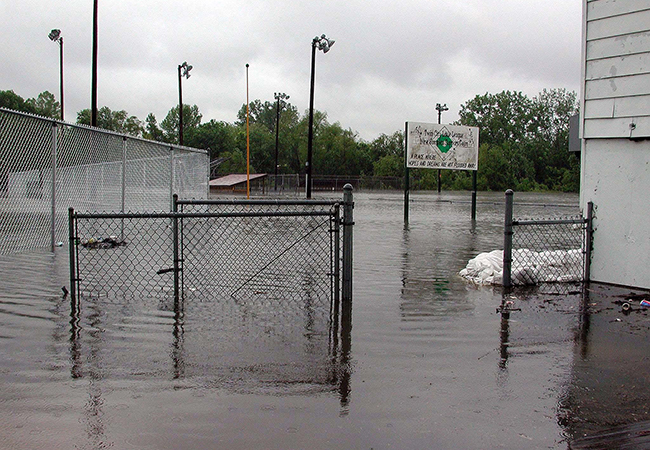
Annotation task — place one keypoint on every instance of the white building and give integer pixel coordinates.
(615, 132)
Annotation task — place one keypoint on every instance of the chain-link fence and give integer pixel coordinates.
(276, 257)
(47, 166)
(259, 289)
(546, 250)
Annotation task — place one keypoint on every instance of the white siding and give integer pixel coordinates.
(617, 180)
(615, 164)
(617, 69)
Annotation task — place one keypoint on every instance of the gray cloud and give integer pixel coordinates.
(392, 61)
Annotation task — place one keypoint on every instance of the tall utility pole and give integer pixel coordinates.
(93, 108)
(324, 44)
(183, 71)
(440, 108)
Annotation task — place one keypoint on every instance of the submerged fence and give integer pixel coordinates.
(546, 251)
(47, 166)
(269, 252)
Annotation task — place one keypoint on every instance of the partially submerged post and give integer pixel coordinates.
(348, 223)
(507, 240)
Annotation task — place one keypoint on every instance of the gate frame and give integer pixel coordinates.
(341, 265)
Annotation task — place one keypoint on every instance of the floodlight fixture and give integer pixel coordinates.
(54, 34)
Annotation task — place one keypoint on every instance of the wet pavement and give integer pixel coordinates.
(425, 361)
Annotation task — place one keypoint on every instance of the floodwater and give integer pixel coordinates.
(427, 362)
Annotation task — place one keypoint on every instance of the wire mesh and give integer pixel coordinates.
(548, 250)
(47, 166)
(274, 264)
(123, 258)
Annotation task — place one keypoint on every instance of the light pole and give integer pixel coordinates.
(55, 36)
(324, 44)
(440, 108)
(93, 95)
(183, 71)
(280, 97)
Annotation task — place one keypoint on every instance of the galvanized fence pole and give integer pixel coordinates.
(175, 232)
(123, 174)
(348, 223)
(589, 236)
(171, 176)
(54, 162)
(123, 185)
(507, 240)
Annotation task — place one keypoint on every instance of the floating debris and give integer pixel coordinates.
(103, 243)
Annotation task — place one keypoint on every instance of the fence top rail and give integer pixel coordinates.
(180, 215)
(579, 220)
(261, 202)
(103, 131)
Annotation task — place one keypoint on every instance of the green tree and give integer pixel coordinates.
(169, 125)
(524, 142)
(118, 121)
(503, 117)
(217, 137)
(10, 100)
(151, 130)
(46, 105)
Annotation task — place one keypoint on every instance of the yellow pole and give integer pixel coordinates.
(248, 147)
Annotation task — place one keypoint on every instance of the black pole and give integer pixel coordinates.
(310, 135)
(406, 175)
(180, 108)
(473, 194)
(93, 114)
(61, 75)
(277, 138)
(439, 171)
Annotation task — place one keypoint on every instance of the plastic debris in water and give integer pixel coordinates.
(645, 303)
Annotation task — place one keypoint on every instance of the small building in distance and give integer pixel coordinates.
(615, 138)
(236, 183)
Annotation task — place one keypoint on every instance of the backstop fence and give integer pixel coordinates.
(271, 253)
(47, 166)
(540, 251)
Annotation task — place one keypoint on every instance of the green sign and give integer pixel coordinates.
(444, 143)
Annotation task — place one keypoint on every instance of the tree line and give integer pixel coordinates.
(523, 140)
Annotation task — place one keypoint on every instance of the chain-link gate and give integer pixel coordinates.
(274, 256)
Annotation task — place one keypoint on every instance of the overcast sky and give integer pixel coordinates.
(391, 63)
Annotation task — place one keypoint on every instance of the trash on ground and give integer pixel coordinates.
(103, 243)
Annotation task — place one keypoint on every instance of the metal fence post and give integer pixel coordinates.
(124, 174)
(54, 158)
(589, 240)
(336, 269)
(175, 232)
(171, 176)
(507, 240)
(71, 250)
(348, 223)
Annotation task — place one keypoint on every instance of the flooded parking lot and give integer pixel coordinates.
(428, 362)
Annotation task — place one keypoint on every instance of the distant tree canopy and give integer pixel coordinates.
(523, 141)
(118, 121)
(44, 105)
